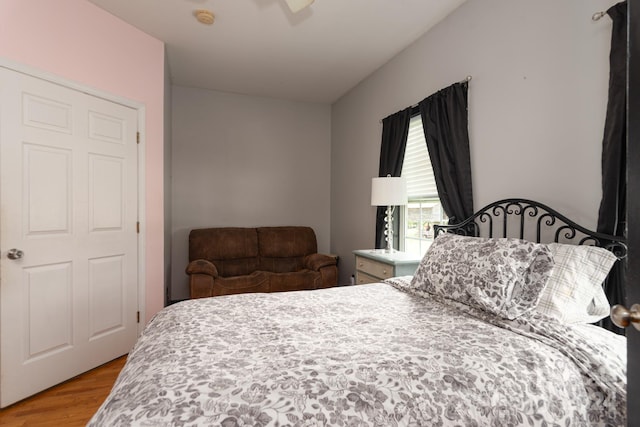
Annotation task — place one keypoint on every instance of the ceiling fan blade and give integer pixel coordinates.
(297, 5)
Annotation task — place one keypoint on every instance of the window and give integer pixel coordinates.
(424, 209)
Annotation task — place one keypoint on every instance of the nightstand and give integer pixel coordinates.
(375, 265)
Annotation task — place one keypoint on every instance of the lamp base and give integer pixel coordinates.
(389, 230)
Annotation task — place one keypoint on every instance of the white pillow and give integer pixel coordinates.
(574, 292)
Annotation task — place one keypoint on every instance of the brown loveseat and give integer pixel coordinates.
(224, 261)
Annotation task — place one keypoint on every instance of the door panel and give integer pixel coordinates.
(69, 201)
(106, 198)
(48, 309)
(47, 198)
(46, 114)
(106, 289)
(106, 128)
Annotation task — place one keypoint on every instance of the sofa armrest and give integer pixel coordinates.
(315, 262)
(200, 286)
(326, 265)
(202, 266)
(201, 274)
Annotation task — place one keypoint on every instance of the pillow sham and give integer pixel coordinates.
(574, 292)
(502, 276)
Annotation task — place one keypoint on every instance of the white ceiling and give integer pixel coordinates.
(259, 47)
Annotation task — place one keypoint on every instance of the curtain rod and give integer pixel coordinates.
(596, 16)
(466, 79)
(415, 106)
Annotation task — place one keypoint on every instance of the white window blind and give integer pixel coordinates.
(416, 168)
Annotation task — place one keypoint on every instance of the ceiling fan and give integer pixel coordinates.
(297, 5)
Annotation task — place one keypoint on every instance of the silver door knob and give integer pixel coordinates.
(623, 317)
(14, 254)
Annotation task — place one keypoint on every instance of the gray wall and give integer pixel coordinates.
(536, 108)
(246, 161)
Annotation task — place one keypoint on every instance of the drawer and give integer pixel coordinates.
(374, 268)
(362, 278)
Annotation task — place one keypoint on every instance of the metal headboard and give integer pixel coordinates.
(533, 221)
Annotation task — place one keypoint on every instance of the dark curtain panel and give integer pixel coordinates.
(613, 206)
(395, 130)
(445, 123)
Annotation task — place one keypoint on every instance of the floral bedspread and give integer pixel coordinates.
(366, 355)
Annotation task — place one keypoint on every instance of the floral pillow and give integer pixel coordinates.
(502, 276)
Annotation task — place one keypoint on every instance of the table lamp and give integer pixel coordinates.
(388, 191)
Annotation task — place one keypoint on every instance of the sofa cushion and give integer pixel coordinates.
(282, 249)
(295, 281)
(223, 243)
(233, 250)
(236, 267)
(258, 281)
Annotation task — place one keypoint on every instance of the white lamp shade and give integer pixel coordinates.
(297, 5)
(388, 191)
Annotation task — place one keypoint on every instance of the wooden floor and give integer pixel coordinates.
(71, 403)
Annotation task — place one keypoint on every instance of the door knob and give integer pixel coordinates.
(623, 317)
(14, 254)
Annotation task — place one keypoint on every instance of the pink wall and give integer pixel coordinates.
(77, 40)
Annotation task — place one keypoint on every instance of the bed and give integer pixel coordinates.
(473, 338)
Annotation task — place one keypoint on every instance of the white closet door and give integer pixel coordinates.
(68, 206)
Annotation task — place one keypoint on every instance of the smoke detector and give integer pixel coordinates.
(204, 16)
